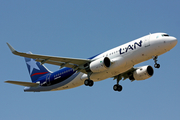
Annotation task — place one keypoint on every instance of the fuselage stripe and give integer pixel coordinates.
(39, 73)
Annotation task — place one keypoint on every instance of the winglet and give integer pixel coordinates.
(11, 48)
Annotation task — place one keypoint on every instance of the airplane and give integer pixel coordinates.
(117, 63)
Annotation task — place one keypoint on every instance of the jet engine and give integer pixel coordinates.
(142, 73)
(98, 65)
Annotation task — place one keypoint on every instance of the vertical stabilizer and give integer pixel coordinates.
(35, 69)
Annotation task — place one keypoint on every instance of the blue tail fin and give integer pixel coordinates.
(35, 69)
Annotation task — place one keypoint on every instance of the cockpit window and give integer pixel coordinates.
(162, 35)
(165, 35)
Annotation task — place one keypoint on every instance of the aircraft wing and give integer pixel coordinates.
(74, 63)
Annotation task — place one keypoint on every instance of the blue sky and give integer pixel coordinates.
(82, 29)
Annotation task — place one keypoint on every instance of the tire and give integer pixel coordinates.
(91, 83)
(115, 87)
(86, 82)
(157, 65)
(119, 88)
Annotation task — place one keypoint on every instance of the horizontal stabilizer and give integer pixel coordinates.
(29, 84)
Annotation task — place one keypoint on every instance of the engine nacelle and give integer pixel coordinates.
(143, 73)
(99, 65)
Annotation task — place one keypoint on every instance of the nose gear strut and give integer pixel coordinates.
(156, 65)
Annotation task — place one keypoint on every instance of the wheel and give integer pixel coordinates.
(157, 65)
(115, 87)
(86, 82)
(119, 88)
(91, 83)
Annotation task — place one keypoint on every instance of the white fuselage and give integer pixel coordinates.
(124, 57)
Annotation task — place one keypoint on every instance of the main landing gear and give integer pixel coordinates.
(156, 65)
(88, 82)
(118, 87)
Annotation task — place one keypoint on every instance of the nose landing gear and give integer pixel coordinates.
(156, 65)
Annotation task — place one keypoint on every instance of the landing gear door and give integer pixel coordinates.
(147, 41)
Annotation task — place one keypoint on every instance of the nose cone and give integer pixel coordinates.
(173, 41)
(170, 42)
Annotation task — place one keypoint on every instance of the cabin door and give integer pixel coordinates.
(147, 41)
(48, 80)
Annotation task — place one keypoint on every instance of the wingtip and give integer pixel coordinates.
(11, 48)
(6, 81)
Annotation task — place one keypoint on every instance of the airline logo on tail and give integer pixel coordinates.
(35, 69)
(33, 65)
